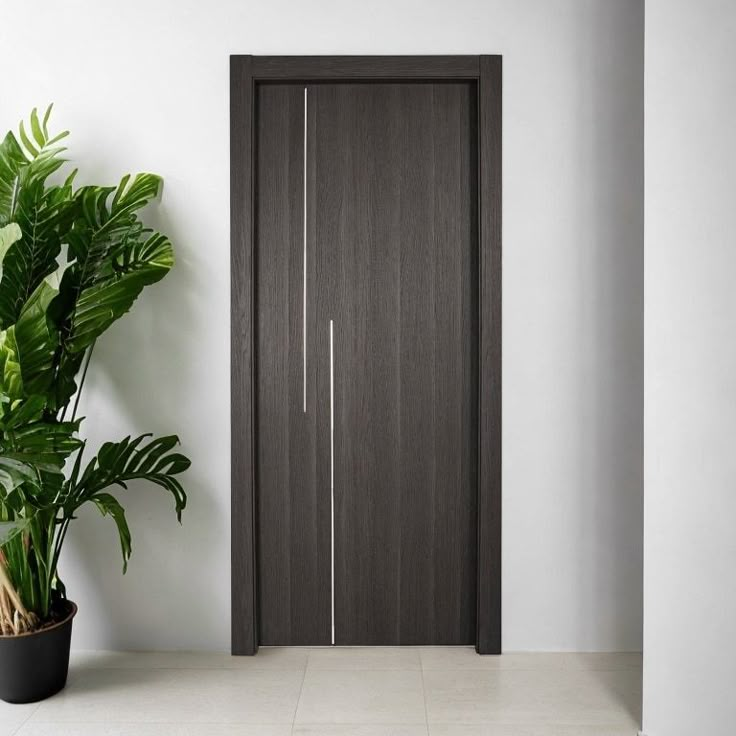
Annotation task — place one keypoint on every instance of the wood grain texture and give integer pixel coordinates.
(293, 511)
(488, 639)
(365, 67)
(395, 206)
(244, 639)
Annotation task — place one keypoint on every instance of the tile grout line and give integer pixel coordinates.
(424, 694)
(28, 718)
(299, 697)
(364, 724)
(424, 690)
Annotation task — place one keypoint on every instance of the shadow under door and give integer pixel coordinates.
(366, 362)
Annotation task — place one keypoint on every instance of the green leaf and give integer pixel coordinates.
(23, 412)
(38, 135)
(10, 529)
(21, 169)
(9, 234)
(46, 117)
(58, 137)
(112, 258)
(14, 473)
(109, 505)
(41, 214)
(12, 161)
(42, 443)
(155, 450)
(129, 198)
(115, 291)
(65, 385)
(27, 141)
(37, 341)
(109, 221)
(11, 383)
(120, 462)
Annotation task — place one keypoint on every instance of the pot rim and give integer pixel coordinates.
(72, 613)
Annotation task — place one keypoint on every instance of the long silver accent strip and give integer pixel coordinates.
(304, 275)
(332, 475)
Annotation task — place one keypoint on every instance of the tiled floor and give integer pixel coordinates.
(339, 692)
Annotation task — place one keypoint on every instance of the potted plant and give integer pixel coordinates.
(72, 261)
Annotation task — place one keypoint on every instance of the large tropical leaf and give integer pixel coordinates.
(44, 445)
(14, 473)
(37, 341)
(105, 224)
(111, 258)
(11, 383)
(41, 442)
(41, 212)
(11, 529)
(24, 162)
(117, 463)
(64, 386)
(109, 505)
(25, 485)
(18, 414)
(41, 215)
(12, 161)
(9, 234)
(112, 295)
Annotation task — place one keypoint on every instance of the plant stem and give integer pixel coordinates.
(58, 545)
(21, 619)
(84, 375)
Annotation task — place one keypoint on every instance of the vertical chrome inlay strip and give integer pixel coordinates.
(304, 275)
(332, 476)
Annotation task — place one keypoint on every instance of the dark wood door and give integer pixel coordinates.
(366, 432)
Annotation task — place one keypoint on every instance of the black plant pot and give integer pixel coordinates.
(34, 666)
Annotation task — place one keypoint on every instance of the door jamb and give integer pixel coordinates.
(245, 72)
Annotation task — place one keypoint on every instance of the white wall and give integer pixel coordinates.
(144, 85)
(690, 369)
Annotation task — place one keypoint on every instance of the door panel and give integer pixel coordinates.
(391, 252)
(396, 245)
(293, 509)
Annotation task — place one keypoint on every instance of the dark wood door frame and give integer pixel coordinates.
(245, 72)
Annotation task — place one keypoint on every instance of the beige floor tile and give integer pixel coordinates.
(361, 697)
(451, 658)
(457, 658)
(339, 692)
(604, 661)
(565, 697)
(489, 729)
(164, 695)
(279, 658)
(152, 729)
(12, 716)
(357, 730)
(364, 658)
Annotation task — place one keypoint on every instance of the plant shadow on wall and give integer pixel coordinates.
(138, 381)
(72, 262)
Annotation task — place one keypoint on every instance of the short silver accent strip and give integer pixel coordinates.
(332, 475)
(304, 275)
